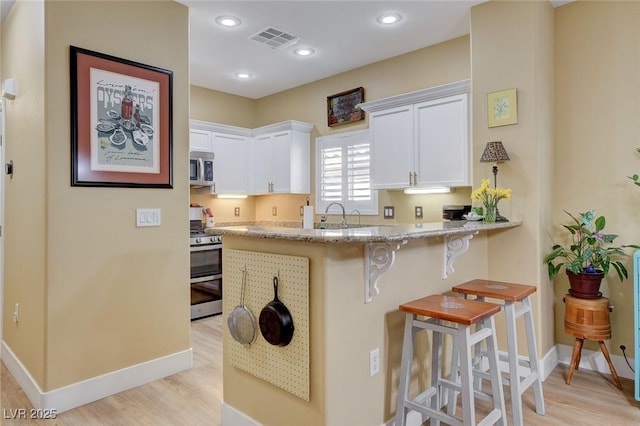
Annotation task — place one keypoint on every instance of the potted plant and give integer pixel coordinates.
(589, 257)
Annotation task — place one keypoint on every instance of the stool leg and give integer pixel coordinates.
(468, 404)
(534, 363)
(454, 376)
(405, 370)
(575, 358)
(494, 368)
(436, 355)
(605, 352)
(514, 376)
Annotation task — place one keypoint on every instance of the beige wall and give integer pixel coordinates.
(512, 48)
(97, 294)
(443, 63)
(26, 217)
(597, 54)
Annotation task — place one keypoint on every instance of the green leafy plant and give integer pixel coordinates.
(590, 251)
(635, 178)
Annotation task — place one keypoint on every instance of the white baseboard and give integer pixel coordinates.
(86, 391)
(233, 417)
(594, 360)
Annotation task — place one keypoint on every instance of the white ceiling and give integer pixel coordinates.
(344, 34)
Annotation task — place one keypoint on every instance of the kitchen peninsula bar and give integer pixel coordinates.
(357, 279)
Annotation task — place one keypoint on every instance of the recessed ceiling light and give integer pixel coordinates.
(389, 18)
(228, 21)
(304, 51)
(243, 75)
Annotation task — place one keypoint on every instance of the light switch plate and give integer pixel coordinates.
(147, 217)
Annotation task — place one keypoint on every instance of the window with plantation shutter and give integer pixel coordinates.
(343, 173)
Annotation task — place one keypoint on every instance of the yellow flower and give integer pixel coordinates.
(490, 196)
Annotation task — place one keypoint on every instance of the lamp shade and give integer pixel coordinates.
(494, 152)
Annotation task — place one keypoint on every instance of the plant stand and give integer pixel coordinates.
(588, 319)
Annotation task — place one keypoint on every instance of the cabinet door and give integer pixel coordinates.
(230, 163)
(392, 147)
(262, 164)
(199, 140)
(281, 170)
(442, 142)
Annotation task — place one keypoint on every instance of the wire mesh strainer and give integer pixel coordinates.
(241, 322)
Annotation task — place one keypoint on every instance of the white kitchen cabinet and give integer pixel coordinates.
(199, 140)
(441, 131)
(421, 139)
(281, 159)
(230, 164)
(392, 147)
(230, 146)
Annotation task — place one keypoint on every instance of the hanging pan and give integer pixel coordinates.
(276, 324)
(241, 322)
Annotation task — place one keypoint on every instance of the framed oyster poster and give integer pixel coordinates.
(121, 122)
(502, 108)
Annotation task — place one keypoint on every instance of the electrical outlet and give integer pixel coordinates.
(418, 212)
(236, 211)
(16, 317)
(389, 212)
(274, 211)
(374, 362)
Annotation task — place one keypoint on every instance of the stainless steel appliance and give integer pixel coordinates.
(206, 272)
(201, 168)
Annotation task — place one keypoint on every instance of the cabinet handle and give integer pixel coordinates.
(415, 178)
(410, 179)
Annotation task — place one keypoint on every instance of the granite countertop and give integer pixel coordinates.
(365, 234)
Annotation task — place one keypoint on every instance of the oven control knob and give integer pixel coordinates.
(198, 240)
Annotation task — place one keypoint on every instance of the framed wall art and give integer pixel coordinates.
(344, 107)
(121, 122)
(502, 108)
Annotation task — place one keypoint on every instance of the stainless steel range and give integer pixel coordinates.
(206, 272)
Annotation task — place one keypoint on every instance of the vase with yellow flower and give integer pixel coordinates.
(489, 198)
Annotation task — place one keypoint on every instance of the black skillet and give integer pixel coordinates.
(276, 324)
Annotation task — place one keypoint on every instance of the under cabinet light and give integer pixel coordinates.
(432, 190)
(234, 196)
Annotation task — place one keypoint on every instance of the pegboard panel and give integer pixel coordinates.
(286, 367)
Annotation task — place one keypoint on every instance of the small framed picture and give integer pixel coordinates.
(502, 108)
(344, 107)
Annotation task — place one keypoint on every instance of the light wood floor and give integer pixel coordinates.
(193, 397)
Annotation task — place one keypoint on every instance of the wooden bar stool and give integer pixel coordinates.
(460, 315)
(510, 294)
(588, 319)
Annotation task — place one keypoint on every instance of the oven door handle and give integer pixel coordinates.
(206, 247)
(205, 279)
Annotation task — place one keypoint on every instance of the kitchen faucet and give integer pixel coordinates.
(323, 218)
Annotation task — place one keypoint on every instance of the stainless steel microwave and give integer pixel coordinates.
(201, 168)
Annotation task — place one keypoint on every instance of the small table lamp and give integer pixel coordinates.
(494, 152)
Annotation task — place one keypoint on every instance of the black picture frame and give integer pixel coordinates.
(344, 107)
(121, 122)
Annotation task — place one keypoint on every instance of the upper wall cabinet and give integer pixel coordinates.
(421, 139)
(199, 140)
(230, 146)
(273, 159)
(280, 159)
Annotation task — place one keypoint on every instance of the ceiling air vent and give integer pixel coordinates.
(274, 38)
